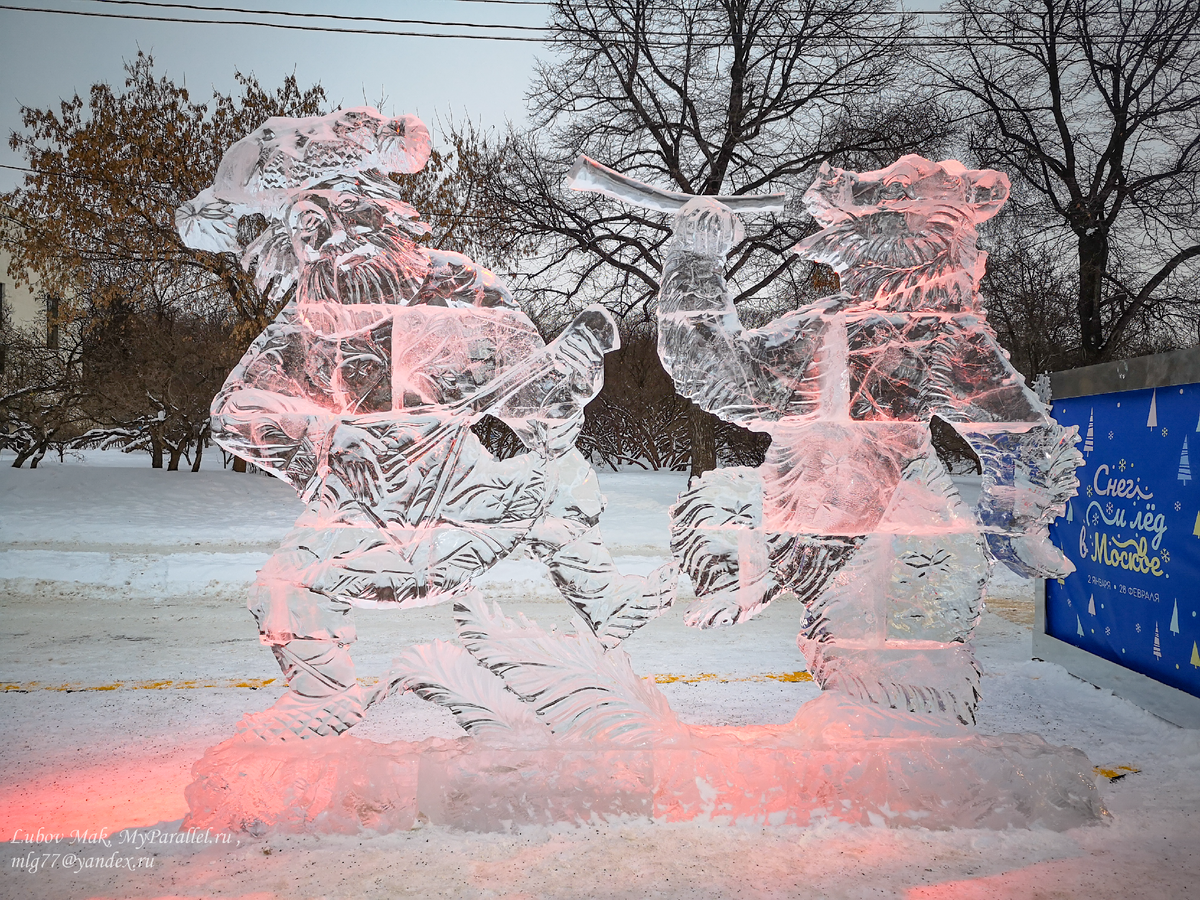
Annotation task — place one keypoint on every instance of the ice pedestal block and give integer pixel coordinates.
(840, 760)
(330, 787)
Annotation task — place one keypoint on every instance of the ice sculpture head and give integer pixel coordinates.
(902, 216)
(704, 226)
(349, 151)
(285, 155)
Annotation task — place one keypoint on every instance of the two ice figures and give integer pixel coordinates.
(362, 393)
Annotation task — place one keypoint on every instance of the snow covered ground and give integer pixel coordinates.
(126, 650)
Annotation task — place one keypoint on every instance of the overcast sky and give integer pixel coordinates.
(45, 57)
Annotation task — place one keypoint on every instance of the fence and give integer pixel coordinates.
(1128, 618)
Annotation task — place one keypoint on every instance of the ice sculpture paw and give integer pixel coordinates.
(295, 717)
(730, 606)
(649, 598)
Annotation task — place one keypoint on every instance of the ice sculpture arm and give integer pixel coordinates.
(542, 399)
(1028, 476)
(457, 280)
(286, 436)
(740, 375)
(261, 416)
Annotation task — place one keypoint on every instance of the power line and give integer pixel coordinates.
(307, 15)
(277, 25)
(508, 2)
(916, 40)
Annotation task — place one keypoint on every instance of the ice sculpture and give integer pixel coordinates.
(852, 512)
(361, 395)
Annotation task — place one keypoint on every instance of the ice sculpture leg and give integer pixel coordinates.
(310, 634)
(717, 535)
(568, 540)
(887, 612)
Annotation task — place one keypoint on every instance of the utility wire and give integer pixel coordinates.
(548, 34)
(307, 15)
(277, 25)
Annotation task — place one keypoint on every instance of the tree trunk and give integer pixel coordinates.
(703, 429)
(176, 455)
(199, 454)
(156, 449)
(239, 464)
(1093, 264)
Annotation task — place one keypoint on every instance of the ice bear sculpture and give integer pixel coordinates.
(361, 394)
(852, 512)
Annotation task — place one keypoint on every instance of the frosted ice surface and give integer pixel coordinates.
(852, 512)
(361, 395)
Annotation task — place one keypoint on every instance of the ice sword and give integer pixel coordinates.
(586, 174)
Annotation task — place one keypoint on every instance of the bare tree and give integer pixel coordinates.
(40, 400)
(149, 377)
(1095, 105)
(1029, 292)
(704, 97)
(94, 224)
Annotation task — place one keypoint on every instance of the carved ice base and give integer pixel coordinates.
(840, 760)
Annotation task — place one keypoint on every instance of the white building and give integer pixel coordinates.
(22, 305)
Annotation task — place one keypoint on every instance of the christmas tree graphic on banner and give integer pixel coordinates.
(1157, 645)
(1092, 604)
(1070, 512)
(1185, 468)
(1195, 655)
(1152, 419)
(1175, 619)
(1087, 441)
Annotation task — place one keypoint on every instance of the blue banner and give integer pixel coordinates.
(1133, 533)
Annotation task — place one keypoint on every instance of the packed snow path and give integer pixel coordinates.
(127, 587)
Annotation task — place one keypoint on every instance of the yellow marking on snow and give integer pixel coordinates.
(254, 684)
(788, 677)
(159, 685)
(1115, 774)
